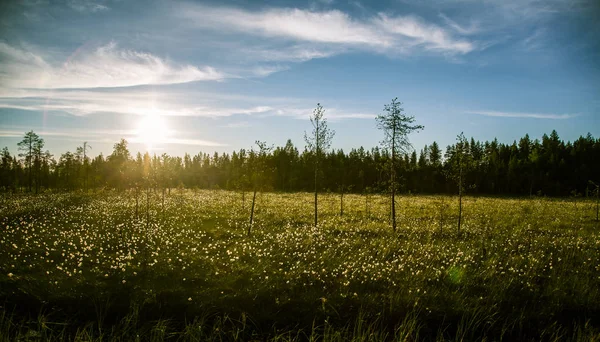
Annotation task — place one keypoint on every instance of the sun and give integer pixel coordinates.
(152, 130)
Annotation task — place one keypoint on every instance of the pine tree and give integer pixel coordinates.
(396, 126)
(29, 147)
(318, 143)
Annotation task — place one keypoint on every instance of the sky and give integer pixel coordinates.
(199, 76)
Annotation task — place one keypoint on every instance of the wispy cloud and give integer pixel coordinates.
(294, 53)
(107, 136)
(194, 142)
(90, 135)
(103, 66)
(508, 9)
(87, 6)
(474, 26)
(414, 31)
(535, 40)
(82, 103)
(523, 115)
(266, 70)
(379, 33)
(327, 26)
(167, 103)
(238, 124)
(331, 113)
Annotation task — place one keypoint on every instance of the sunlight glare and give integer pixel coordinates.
(152, 131)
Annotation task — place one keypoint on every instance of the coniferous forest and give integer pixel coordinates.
(548, 166)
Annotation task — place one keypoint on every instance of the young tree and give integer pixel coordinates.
(342, 186)
(48, 166)
(258, 173)
(82, 151)
(65, 165)
(38, 157)
(6, 173)
(318, 142)
(117, 162)
(396, 127)
(460, 161)
(164, 171)
(28, 148)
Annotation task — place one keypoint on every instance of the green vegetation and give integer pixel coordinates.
(547, 167)
(107, 266)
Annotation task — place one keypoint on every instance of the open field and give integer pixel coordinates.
(76, 266)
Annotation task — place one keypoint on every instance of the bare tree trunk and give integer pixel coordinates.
(393, 208)
(316, 168)
(37, 181)
(316, 200)
(29, 163)
(597, 202)
(441, 218)
(394, 178)
(459, 197)
(147, 207)
(316, 205)
(136, 202)
(252, 213)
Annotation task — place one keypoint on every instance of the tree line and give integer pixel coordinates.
(549, 166)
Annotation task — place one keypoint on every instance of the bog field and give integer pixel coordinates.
(134, 266)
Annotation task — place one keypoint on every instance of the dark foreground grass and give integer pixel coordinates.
(86, 267)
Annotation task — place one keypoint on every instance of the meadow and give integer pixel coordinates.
(92, 267)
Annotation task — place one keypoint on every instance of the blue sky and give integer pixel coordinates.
(185, 76)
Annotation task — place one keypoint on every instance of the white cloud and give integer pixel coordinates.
(523, 115)
(506, 9)
(415, 31)
(195, 142)
(92, 135)
(336, 115)
(181, 103)
(329, 26)
(294, 53)
(380, 33)
(266, 70)
(106, 136)
(87, 6)
(104, 66)
(294, 35)
(465, 30)
(535, 40)
(131, 102)
(332, 113)
(238, 124)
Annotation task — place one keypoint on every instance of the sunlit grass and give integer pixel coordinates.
(520, 267)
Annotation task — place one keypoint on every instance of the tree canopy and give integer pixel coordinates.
(546, 166)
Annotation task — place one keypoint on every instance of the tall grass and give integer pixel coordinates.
(86, 267)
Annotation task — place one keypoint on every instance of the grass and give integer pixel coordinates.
(83, 267)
